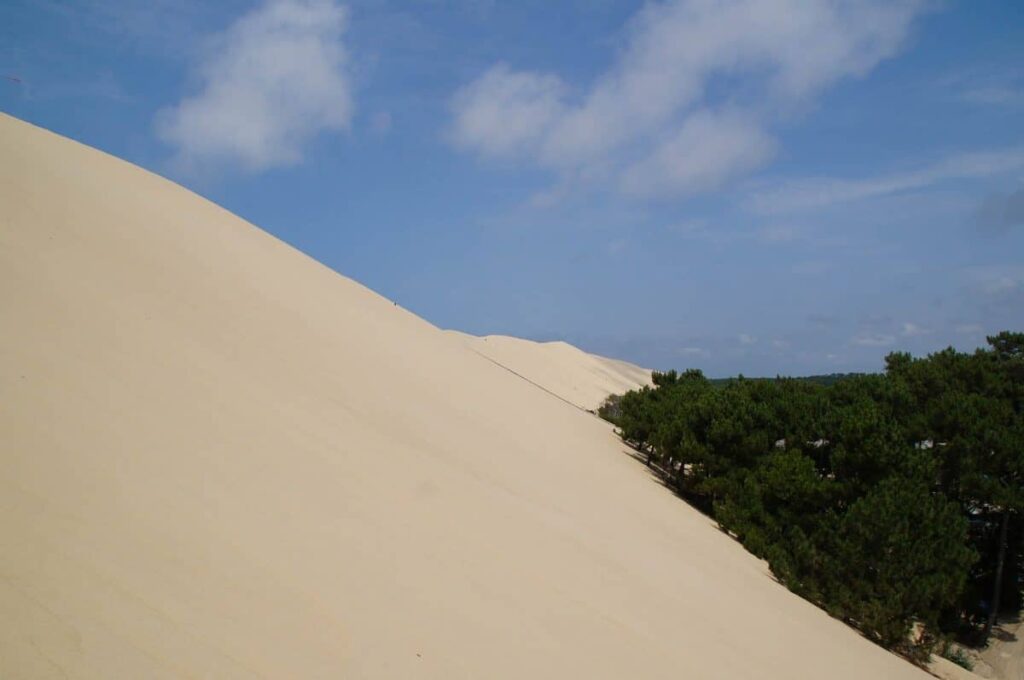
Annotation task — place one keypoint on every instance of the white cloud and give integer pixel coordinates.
(652, 123)
(873, 340)
(815, 193)
(505, 112)
(270, 83)
(746, 339)
(706, 151)
(911, 330)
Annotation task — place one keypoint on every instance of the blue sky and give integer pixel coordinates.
(756, 186)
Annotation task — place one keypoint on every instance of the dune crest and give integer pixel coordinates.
(222, 459)
(584, 380)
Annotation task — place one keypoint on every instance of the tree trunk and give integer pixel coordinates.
(998, 587)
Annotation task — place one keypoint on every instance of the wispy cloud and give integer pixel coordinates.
(991, 85)
(778, 233)
(505, 112)
(996, 95)
(994, 295)
(823, 321)
(271, 82)
(911, 330)
(996, 281)
(873, 340)
(706, 151)
(1001, 212)
(649, 125)
(816, 193)
(723, 234)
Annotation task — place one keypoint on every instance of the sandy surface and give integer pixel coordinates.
(1002, 659)
(944, 669)
(221, 459)
(1005, 652)
(584, 380)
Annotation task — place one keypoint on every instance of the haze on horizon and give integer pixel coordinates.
(756, 186)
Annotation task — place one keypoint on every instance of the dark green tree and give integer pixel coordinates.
(900, 557)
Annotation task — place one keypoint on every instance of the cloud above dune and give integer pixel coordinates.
(707, 150)
(689, 102)
(807, 194)
(268, 84)
(505, 112)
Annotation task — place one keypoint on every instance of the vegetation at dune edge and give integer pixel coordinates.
(895, 501)
(959, 657)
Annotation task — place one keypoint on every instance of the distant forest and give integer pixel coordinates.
(825, 380)
(892, 500)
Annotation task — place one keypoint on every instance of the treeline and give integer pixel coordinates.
(893, 500)
(827, 379)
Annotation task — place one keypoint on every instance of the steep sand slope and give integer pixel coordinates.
(584, 380)
(221, 459)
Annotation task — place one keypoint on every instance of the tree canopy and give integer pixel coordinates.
(891, 500)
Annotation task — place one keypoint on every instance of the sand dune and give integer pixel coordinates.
(584, 380)
(221, 459)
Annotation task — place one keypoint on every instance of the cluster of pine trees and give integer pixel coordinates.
(894, 501)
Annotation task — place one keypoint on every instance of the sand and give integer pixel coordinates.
(944, 669)
(221, 459)
(1004, 656)
(582, 379)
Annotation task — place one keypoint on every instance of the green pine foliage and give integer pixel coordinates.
(959, 657)
(892, 500)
